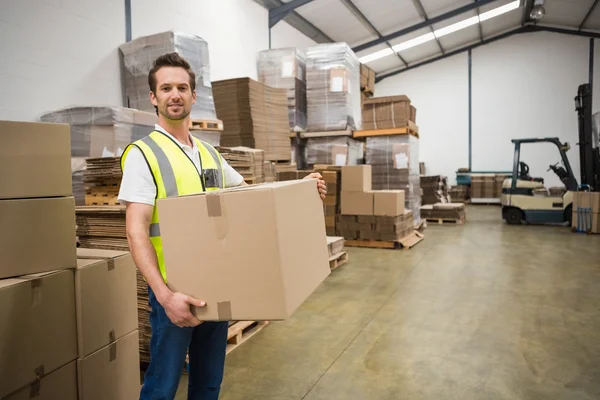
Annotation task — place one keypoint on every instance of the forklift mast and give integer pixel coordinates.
(589, 149)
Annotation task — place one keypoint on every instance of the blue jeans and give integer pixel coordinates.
(169, 344)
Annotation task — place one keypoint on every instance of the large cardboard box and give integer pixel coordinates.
(356, 178)
(38, 235)
(106, 293)
(35, 160)
(387, 112)
(252, 253)
(388, 202)
(60, 384)
(112, 372)
(587, 200)
(38, 332)
(357, 203)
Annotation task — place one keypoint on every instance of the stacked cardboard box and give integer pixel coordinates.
(435, 189)
(459, 193)
(370, 227)
(444, 211)
(395, 165)
(388, 112)
(487, 186)
(367, 80)
(498, 182)
(334, 150)
(254, 115)
(248, 162)
(286, 69)
(586, 212)
(332, 200)
(138, 58)
(332, 88)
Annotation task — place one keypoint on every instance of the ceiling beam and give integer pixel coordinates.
(590, 11)
(423, 14)
(527, 6)
(423, 24)
(521, 29)
(363, 19)
(278, 13)
(479, 25)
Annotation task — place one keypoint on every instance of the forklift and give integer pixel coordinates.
(526, 199)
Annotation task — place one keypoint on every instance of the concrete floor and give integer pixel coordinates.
(479, 311)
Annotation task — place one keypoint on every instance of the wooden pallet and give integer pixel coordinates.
(442, 221)
(306, 135)
(338, 260)
(411, 129)
(406, 243)
(241, 331)
(206, 124)
(99, 199)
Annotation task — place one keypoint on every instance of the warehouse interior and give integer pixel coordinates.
(454, 255)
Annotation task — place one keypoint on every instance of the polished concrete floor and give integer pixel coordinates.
(478, 311)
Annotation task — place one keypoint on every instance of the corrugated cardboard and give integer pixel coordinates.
(356, 178)
(252, 253)
(112, 372)
(35, 160)
(388, 202)
(38, 235)
(106, 292)
(38, 329)
(588, 200)
(60, 384)
(357, 203)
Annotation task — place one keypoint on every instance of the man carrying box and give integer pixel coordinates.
(170, 162)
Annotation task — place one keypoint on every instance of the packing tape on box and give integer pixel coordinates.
(110, 261)
(224, 311)
(215, 208)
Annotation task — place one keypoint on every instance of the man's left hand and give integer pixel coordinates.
(321, 185)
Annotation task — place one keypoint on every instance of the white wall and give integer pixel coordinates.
(523, 86)
(439, 91)
(59, 53)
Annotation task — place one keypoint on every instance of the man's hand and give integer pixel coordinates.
(177, 306)
(321, 185)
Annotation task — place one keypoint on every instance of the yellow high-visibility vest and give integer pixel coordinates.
(175, 175)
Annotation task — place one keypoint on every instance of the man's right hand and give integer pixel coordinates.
(177, 306)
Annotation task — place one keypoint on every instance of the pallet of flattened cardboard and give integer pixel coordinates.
(375, 231)
(444, 213)
(337, 255)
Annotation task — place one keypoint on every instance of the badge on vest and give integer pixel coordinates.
(211, 178)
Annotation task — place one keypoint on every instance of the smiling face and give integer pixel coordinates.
(173, 96)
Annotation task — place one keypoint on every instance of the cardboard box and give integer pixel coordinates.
(35, 160)
(356, 178)
(38, 235)
(357, 203)
(252, 253)
(388, 202)
(106, 293)
(113, 372)
(387, 112)
(39, 328)
(60, 384)
(587, 200)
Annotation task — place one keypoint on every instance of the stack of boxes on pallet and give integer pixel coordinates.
(435, 189)
(388, 113)
(459, 193)
(66, 321)
(487, 186)
(440, 212)
(247, 161)
(586, 212)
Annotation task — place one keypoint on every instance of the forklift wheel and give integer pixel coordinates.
(513, 216)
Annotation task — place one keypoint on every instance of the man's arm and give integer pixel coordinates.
(177, 305)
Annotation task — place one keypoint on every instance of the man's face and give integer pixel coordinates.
(174, 96)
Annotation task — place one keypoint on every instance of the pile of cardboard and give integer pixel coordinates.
(444, 211)
(332, 177)
(388, 112)
(70, 324)
(586, 212)
(487, 186)
(332, 88)
(379, 228)
(248, 162)
(102, 227)
(334, 150)
(395, 164)
(138, 59)
(459, 193)
(286, 69)
(337, 255)
(102, 178)
(435, 189)
(367, 80)
(254, 115)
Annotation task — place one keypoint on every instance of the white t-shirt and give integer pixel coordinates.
(137, 185)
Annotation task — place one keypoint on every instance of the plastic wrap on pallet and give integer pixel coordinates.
(596, 130)
(333, 88)
(139, 56)
(395, 166)
(286, 69)
(102, 131)
(332, 150)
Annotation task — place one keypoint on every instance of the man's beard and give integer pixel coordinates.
(175, 116)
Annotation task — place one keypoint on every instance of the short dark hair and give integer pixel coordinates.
(170, 60)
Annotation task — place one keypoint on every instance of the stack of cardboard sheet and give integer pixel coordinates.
(388, 112)
(367, 80)
(248, 162)
(435, 189)
(254, 115)
(286, 69)
(102, 227)
(102, 178)
(332, 176)
(395, 164)
(335, 245)
(138, 59)
(332, 88)
(334, 150)
(487, 186)
(444, 211)
(380, 228)
(291, 175)
(459, 193)
(143, 309)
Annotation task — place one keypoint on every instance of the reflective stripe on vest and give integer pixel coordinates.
(175, 174)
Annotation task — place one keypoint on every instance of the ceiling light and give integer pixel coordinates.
(538, 11)
(414, 42)
(456, 27)
(500, 10)
(376, 56)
